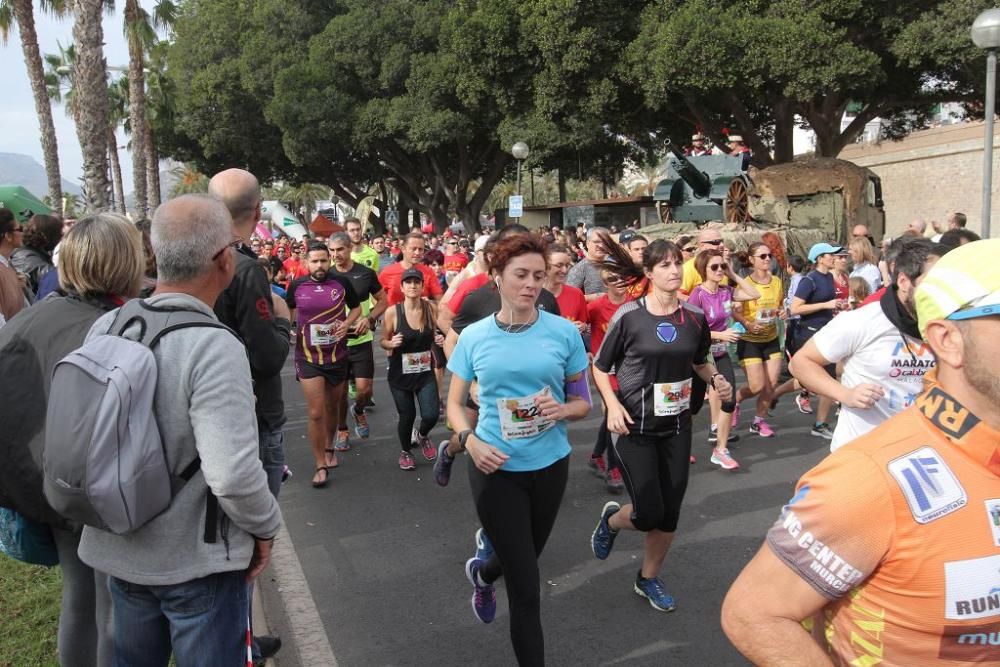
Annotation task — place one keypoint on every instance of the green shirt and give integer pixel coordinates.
(366, 257)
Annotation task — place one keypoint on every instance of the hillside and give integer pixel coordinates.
(24, 170)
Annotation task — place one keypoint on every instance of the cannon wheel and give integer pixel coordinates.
(736, 205)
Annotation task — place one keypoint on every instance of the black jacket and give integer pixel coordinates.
(33, 263)
(245, 307)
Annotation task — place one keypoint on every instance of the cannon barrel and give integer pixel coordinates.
(698, 182)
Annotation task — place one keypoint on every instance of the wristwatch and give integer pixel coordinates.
(464, 436)
(711, 380)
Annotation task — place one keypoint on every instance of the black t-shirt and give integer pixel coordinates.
(816, 287)
(653, 356)
(485, 301)
(363, 280)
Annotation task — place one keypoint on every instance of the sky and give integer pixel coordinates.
(18, 120)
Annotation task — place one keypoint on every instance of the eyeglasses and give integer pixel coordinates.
(235, 243)
(764, 256)
(717, 267)
(712, 242)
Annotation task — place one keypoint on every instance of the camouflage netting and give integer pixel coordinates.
(795, 241)
(809, 176)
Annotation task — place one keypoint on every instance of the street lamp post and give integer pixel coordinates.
(520, 152)
(986, 35)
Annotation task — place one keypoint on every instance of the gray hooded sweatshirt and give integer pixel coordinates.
(204, 406)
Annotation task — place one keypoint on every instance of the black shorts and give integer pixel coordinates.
(749, 352)
(655, 470)
(802, 336)
(333, 374)
(361, 361)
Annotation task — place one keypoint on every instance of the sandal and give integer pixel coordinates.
(326, 477)
(333, 452)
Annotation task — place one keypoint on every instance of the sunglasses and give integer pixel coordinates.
(764, 256)
(689, 249)
(717, 267)
(715, 242)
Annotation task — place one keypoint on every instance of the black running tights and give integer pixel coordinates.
(517, 511)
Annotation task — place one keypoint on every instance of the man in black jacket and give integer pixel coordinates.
(262, 320)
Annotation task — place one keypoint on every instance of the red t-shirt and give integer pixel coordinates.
(391, 277)
(455, 262)
(468, 286)
(294, 269)
(599, 314)
(875, 296)
(572, 304)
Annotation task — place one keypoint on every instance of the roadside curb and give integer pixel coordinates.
(308, 636)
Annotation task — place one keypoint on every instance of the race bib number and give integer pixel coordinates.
(323, 334)
(720, 349)
(767, 315)
(671, 398)
(521, 418)
(416, 362)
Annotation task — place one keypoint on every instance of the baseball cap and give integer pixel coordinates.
(481, 242)
(412, 274)
(962, 285)
(823, 249)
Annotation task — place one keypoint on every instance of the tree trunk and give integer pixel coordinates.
(152, 170)
(403, 226)
(562, 186)
(137, 105)
(92, 99)
(784, 132)
(25, 18)
(116, 171)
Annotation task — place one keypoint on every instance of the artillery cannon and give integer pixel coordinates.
(705, 187)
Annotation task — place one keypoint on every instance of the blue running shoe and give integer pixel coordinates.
(604, 538)
(653, 590)
(360, 422)
(484, 548)
(442, 465)
(484, 598)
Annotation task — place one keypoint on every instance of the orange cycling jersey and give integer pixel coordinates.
(900, 529)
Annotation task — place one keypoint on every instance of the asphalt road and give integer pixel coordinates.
(383, 550)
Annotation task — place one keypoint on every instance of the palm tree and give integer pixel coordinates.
(188, 180)
(159, 111)
(117, 113)
(20, 12)
(92, 97)
(642, 180)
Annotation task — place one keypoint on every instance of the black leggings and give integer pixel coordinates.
(517, 511)
(724, 365)
(655, 471)
(427, 397)
(603, 444)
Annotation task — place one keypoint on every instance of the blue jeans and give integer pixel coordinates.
(203, 621)
(272, 456)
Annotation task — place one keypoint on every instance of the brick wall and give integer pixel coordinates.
(930, 173)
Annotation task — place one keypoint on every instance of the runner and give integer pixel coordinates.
(454, 259)
(758, 349)
(408, 335)
(887, 554)
(796, 269)
(478, 266)
(324, 307)
(360, 252)
(414, 247)
(530, 367)
(572, 303)
(360, 357)
(884, 359)
(655, 345)
(815, 302)
(716, 301)
(599, 314)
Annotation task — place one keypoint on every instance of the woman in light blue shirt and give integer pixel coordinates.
(530, 368)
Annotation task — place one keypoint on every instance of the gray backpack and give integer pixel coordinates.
(103, 461)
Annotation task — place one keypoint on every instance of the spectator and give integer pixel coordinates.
(100, 266)
(864, 263)
(160, 574)
(34, 258)
(586, 274)
(12, 285)
(958, 236)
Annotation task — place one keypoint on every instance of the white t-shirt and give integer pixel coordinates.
(871, 274)
(873, 350)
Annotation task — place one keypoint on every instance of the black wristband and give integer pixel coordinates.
(463, 437)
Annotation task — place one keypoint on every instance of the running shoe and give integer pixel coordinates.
(360, 422)
(286, 474)
(427, 447)
(343, 443)
(692, 460)
(604, 538)
(736, 417)
(722, 459)
(615, 483)
(484, 598)
(653, 590)
(803, 404)
(352, 390)
(597, 464)
(484, 548)
(713, 436)
(761, 428)
(442, 466)
(822, 430)
(406, 461)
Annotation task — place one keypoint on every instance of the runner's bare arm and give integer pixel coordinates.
(450, 341)
(386, 341)
(808, 368)
(486, 458)
(763, 610)
(617, 416)
(444, 317)
(713, 378)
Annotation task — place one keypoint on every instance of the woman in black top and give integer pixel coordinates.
(408, 334)
(655, 346)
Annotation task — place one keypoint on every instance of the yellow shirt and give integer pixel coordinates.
(692, 278)
(763, 310)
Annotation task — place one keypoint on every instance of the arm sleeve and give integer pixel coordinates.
(839, 525)
(350, 296)
(806, 289)
(613, 348)
(841, 337)
(265, 337)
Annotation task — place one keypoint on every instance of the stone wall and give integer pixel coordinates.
(930, 173)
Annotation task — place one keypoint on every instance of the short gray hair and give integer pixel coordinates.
(186, 233)
(340, 237)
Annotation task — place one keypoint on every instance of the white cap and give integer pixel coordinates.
(481, 242)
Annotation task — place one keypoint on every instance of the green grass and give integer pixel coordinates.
(29, 609)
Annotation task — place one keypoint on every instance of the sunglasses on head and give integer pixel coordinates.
(713, 242)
